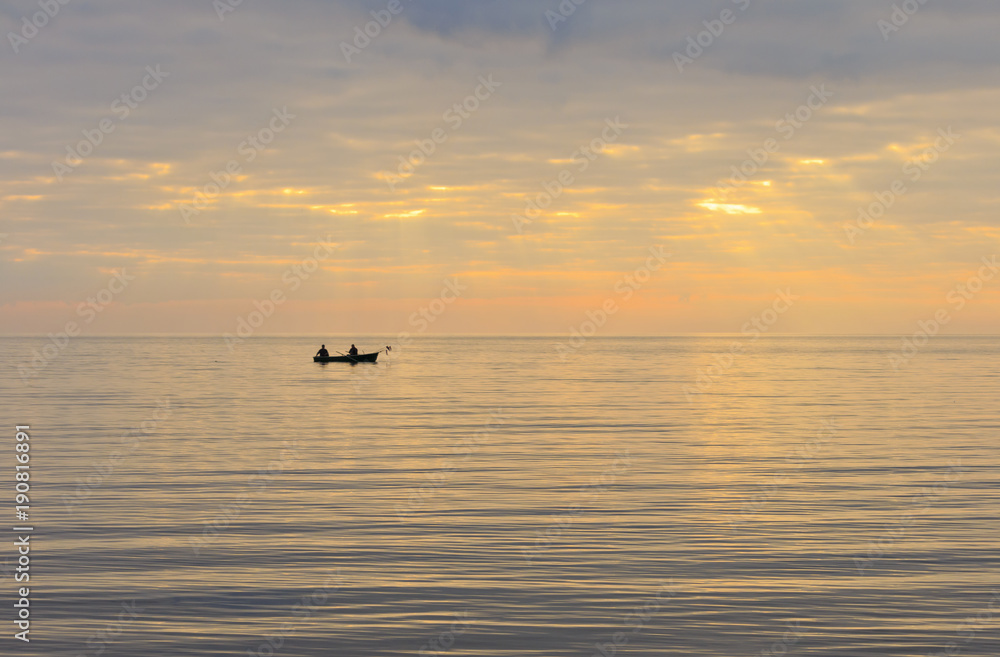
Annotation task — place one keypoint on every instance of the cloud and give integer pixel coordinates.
(354, 120)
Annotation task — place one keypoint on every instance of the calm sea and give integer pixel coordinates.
(484, 496)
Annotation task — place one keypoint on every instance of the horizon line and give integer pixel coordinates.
(505, 335)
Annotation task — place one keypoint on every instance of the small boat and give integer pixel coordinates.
(360, 358)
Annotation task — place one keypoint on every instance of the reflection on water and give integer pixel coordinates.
(484, 497)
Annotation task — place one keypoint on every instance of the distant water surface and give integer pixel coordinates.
(483, 496)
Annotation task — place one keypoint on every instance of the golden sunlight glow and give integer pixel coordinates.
(130, 176)
(405, 215)
(729, 208)
(519, 193)
(618, 150)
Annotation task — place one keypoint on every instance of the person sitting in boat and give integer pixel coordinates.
(323, 352)
(353, 351)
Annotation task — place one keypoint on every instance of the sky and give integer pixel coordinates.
(383, 182)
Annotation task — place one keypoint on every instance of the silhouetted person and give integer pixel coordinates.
(353, 351)
(323, 352)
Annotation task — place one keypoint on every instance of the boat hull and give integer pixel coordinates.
(360, 358)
